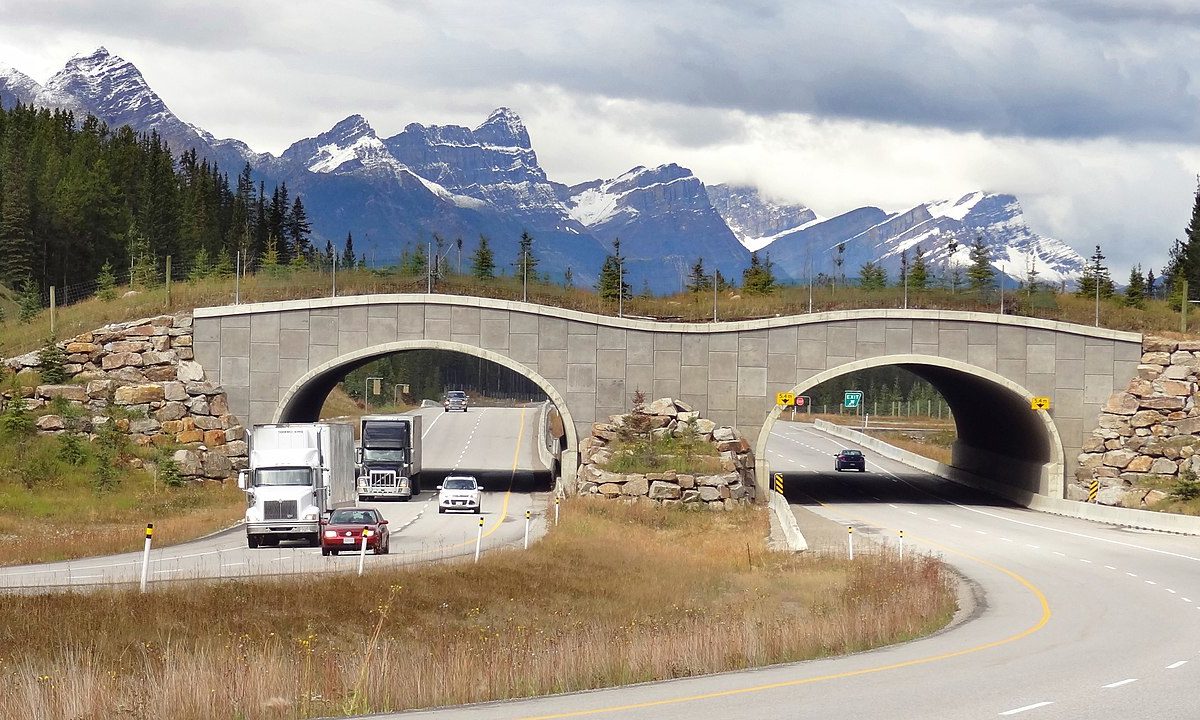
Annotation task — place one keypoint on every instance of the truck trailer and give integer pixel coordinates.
(298, 473)
(389, 457)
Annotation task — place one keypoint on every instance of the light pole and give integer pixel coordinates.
(620, 287)
(714, 284)
(524, 275)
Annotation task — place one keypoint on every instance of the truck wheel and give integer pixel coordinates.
(252, 542)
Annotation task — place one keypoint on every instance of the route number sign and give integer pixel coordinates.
(852, 398)
(785, 399)
(1039, 403)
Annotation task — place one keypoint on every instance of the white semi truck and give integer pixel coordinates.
(298, 472)
(389, 458)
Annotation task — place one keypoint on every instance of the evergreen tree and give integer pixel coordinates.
(202, 265)
(719, 279)
(348, 255)
(16, 240)
(1135, 291)
(106, 282)
(698, 280)
(645, 294)
(52, 360)
(951, 276)
(30, 301)
(1151, 284)
(483, 262)
(1184, 260)
(1095, 273)
(144, 272)
(458, 245)
(298, 230)
(903, 280)
(270, 257)
(611, 284)
(415, 262)
(526, 260)
(327, 258)
(839, 259)
(980, 273)
(569, 278)
(759, 278)
(918, 274)
(872, 276)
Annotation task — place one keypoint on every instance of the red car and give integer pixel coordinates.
(344, 531)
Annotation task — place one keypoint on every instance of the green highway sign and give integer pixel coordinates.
(852, 399)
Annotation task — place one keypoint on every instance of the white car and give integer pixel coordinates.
(459, 492)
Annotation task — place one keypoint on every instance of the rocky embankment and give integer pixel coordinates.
(140, 375)
(1147, 434)
(731, 486)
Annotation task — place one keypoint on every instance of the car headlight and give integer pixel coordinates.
(311, 515)
(331, 533)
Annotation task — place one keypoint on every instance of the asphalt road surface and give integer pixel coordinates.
(1072, 620)
(494, 444)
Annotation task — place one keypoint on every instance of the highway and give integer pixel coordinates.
(1064, 619)
(494, 444)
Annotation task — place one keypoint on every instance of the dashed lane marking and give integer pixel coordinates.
(1177, 664)
(1119, 683)
(1027, 708)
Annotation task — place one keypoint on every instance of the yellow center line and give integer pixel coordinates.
(1041, 622)
(507, 496)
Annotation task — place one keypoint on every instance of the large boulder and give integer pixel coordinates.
(190, 371)
(50, 423)
(636, 485)
(138, 394)
(73, 393)
(663, 407)
(663, 490)
(188, 462)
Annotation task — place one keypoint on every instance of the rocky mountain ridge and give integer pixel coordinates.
(394, 193)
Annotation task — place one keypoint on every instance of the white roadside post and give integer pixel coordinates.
(850, 530)
(362, 551)
(146, 555)
(526, 529)
(556, 512)
(901, 544)
(478, 539)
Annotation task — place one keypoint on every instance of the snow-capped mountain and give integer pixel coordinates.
(455, 181)
(756, 221)
(931, 229)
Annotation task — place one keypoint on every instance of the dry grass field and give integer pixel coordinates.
(615, 594)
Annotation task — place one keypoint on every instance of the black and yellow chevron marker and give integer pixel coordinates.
(779, 483)
(1093, 490)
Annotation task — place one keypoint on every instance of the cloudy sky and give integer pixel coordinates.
(1087, 110)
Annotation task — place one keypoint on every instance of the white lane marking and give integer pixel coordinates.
(1174, 665)
(1085, 560)
(1034, 706)
(1110, 567)
(1059, 554)
(1186, 600)
(1171, 591)
(1035, 547)
(1151, 582)
(1023, 522)
(1007, 539)
(910, 512)
(933, 519)
(892, 506)
(1132, 575)
(1119, 683)
(982, 532)
(956, 526)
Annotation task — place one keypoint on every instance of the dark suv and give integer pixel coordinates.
(455, 400)
(850, 460)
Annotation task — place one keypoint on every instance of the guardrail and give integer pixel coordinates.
(1125, 517)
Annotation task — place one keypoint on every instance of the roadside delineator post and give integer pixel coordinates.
(362, 551)
(901, 544)
(850, 532)
(146, 555)
(526, 529)
(1093, 490)
(556, 512)
(479, 540)
(779, 483)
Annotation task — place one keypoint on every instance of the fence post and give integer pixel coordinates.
(52, 308)
(168, 282)
(556, 512)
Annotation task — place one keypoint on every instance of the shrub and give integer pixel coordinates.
(53, 360)
(1187, 487)
(71, 450)
(106, 283)
(168, 473)
(16, 422)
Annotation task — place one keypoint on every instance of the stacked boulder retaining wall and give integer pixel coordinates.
(733, 485)
(144, 370)
(1148, 434)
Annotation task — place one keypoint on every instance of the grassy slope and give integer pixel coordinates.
(615, 594)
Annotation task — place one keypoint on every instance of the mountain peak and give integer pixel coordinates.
(504, 127)
(351, 128)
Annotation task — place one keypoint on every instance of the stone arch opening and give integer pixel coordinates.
(1002, 446)
(303, 400)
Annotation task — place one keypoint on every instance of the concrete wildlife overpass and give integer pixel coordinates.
(277, 362)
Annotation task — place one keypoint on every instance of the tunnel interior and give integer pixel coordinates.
(1002, 444)
(429, 372)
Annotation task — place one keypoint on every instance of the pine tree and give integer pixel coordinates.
(569, 278)
(903, 279)
(327, 258)
(483, 261)
(458, 245)
(298, 230)
(981, 272)
(416, 262)
(759, 278)
(202, 265)
(951, 276)
(1095, 273)
(698, 280)
(526, 260)
(106, 282)
(1184, 261)
(872, 276)
(16, 238)
(611, 284)
(30, 301)
(839, 259)
(270, 257)
(918, 274)
(1151, 284)
(348, 256)
(1135, 291)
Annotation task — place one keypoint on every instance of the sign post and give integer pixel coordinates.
(146, 554)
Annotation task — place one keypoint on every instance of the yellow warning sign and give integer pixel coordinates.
(785, 399)
(1039, 403)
